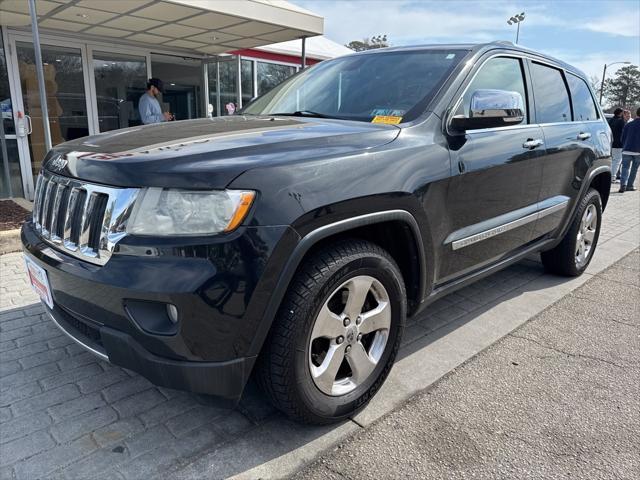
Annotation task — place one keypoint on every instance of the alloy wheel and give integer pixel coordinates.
(586, 235)
(349, 335)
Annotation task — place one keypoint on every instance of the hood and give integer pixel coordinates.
(211, 152)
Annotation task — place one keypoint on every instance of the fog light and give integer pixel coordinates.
(172, 312)
(157, 318)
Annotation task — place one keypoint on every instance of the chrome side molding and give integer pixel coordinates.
(559, 203)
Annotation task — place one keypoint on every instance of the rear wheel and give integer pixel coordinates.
(336, 335)
(572, 256)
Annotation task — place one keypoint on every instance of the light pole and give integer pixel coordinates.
(604, 72)
(517, 19)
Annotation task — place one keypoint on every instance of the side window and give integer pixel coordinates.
(550, 91)
(500, 73)
(583, 107)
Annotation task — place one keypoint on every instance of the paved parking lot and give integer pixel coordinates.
(65, 414)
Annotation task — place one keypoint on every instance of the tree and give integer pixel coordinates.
(624, 89)
(379, 41)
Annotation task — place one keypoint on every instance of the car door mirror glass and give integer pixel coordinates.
(491, 108)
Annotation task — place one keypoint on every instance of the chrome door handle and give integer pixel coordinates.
(584, 136)
(28, 120)
(532, 143)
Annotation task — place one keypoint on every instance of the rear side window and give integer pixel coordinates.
(583, 106)
(500, 73)
(550, 91)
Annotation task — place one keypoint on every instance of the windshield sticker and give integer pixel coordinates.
(390, 119)
(388, 112)
(450, 56)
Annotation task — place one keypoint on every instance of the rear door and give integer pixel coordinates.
(569, 129)
(496, 174)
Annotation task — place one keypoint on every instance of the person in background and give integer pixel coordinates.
(626, 116)
(149, 106)
(630, 154)
(616, 123)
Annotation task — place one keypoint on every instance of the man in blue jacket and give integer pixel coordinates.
(149, 106)
(630, 154)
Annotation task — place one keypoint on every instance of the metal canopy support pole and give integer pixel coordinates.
(40, 73)
(304, 52)
(239, 83)
(218, 103)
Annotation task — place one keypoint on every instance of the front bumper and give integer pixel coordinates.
(222, 379)
(219, 286)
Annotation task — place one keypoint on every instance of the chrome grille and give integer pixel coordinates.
(82, 219)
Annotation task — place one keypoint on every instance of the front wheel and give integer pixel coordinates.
(336, 335)
(572, 256)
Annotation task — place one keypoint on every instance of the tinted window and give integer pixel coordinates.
(500, 73)
(362, 87)
(583, 106)
(552, 99)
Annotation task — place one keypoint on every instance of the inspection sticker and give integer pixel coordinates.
(390, 119)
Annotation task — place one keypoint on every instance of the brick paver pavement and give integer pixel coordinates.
(66, 414)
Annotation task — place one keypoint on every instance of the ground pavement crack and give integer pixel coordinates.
(623, 323)
(574, 355)
(333, 470)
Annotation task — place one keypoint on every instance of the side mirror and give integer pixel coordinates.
(491, 108)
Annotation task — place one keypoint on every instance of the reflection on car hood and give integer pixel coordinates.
(209, 153)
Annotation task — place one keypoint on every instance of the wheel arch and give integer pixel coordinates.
(372, 227)
(601, 181)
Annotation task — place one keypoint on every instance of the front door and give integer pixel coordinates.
(68, 105)
(497, 172)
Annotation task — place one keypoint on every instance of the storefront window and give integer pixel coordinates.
(271, 74)
(246, 79)
(120, 81)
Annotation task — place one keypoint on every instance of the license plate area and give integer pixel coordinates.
(39, 281)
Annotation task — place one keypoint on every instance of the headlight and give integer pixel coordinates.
(162, 211)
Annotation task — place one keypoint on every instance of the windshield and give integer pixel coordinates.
(384, 87)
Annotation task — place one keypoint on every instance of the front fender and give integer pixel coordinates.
(315, 235)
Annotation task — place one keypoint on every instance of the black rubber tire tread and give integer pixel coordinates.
(275, 364)
(561, 259)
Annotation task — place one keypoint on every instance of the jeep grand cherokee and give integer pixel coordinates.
(293, 240)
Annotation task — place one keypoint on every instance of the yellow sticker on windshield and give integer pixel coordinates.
(393, 120)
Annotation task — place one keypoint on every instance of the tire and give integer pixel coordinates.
(564, 259)
(290, 366)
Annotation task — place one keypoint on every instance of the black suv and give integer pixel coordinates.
(292, 240)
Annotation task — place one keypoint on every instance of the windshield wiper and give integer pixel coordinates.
(302, 113)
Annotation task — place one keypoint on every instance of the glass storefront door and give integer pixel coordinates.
(66, 96)
(10, 174)
(223, 85)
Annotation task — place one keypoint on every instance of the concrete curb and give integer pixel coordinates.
(10, 241)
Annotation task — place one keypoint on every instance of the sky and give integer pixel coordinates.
(586, 33)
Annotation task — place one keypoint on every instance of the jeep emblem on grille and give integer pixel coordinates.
(58, 163)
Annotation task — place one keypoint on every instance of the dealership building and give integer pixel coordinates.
(212, 55)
